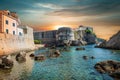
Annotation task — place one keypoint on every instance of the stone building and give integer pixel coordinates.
(45, 36)
(85, 35)
(65, 33)
(14, 37)
(9, 22)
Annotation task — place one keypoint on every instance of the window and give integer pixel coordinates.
(13, 32)
(20, 34)
(6, 21)
(7, 31)
(8, 13)
(42, 34)
(13, 24)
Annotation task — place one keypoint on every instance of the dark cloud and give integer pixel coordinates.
(90, 8)
(98, 11)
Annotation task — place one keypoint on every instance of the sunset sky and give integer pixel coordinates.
(102, 15)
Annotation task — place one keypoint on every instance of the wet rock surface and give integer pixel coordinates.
(85, 57)
(110, 67)
(80, 48)
(55, 53)
(88, 57)
(39, 57)
(32, 55)
(21, 57)
(6, 63)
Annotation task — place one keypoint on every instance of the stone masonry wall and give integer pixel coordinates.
(12, 44)
(1, 22)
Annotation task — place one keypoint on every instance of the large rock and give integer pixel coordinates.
(112, 43)
(32, 55)
(90, 38)
(21, 57)
(85, 37)
(55, 53)
(111, 67)
(6, 63)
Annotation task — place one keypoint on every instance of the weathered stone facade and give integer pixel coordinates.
(65, 33)
(85, 35)
(66, 36)
(12, 44)
(12, 38)
(46, 36)
(9, 22)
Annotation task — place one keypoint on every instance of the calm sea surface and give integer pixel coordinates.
(69, 66)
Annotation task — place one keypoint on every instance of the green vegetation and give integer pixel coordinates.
(88, 31)
(37, 41)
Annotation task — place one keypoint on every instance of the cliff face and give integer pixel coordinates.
(12, 44)
(90, 38)
(85, 37)
(112, 43)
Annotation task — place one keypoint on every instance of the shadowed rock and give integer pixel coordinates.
(57, 53)
(6, 63)
(32, 55)
(85, 57)
(111, 67)
(112, 43)
(39, 57)
(80, 48)
(21, 57)
(92, 57)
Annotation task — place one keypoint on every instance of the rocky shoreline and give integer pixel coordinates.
(112, 43)
(110, 67)
(25, 50)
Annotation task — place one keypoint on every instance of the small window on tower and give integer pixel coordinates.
(13, 24)
(7, 22)
(7, 31)
(13, 32)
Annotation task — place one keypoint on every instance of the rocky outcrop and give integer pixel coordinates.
(78, 43)
(85, 36)
(90, 38)
(112, 43)
(111, 67)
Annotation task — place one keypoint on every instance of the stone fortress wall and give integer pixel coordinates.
(13, 43)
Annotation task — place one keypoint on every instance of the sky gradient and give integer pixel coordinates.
(102, 15)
